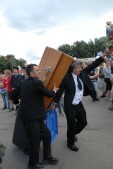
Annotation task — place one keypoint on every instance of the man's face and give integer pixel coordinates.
(15, 71)
(108, 64)
(35, 72)
(77, 70)
(24, 72)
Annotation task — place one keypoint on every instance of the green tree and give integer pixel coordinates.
(7, 62)
(81, 49)
(91, 49)
(22, 62)
(2, 63)
(100, 44)
(66, 48)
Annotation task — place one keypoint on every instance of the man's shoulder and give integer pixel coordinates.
(67, 78)
(21, 77)
(38, 81)
(33, 80)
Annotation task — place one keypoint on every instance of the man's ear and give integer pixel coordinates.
(31, 74)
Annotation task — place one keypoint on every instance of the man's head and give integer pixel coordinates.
(32, 70)
(108, 62)
(23, 70)
(15, 69)
(76, 67)
(7, 72)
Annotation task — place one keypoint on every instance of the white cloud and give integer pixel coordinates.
(27, 27)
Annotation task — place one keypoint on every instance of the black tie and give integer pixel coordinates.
(79, 83)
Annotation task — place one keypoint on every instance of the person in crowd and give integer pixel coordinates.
(107, 76)
(22, 76)
(19, 80)
(101, 82)
(61, 106)
(3, 91)
(76, 84)
(14, 77)
(9, 88)
(32, 113)
(111, 66)
(94, 76)
(111, 106)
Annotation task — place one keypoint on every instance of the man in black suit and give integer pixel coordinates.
(76, 84)
(14, 77)
(22, 76)
(32, 113)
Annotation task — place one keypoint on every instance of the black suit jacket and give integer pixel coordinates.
(14, 79)
(20, 78)
(68, 86)
(31, 92)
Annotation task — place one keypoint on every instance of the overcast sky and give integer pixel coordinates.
(28, 26)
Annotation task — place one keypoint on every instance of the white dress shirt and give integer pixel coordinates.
(79, 93)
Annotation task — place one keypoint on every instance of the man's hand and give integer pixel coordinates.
(53, 106)
(55, 88)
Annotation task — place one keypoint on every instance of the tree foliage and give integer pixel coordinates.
(8, 61)
(81, 49)
(66, 49)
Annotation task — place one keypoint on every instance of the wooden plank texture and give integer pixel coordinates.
(54, 66)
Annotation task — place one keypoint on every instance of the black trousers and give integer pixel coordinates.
(37, 131)
(76, 121)
(108, 84)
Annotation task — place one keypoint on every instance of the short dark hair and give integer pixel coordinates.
(15, 67)
(24, 67)
(29, 68)
(74, 65)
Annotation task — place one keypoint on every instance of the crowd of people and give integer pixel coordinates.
(26, 91)
(102, 78)
(8, 83)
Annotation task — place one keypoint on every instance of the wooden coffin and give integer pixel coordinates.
(54, 66)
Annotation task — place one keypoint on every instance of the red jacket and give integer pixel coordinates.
(9, 88)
